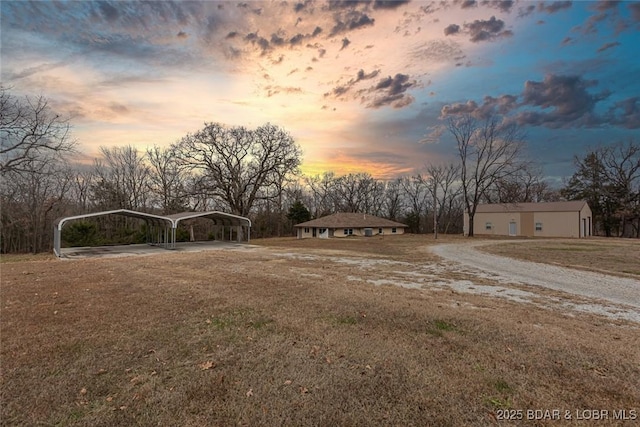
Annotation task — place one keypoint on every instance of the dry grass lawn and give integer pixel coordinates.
(262, 338)
(613, 256)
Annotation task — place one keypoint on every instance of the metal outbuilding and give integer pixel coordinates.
(545, 219)
(161, 230)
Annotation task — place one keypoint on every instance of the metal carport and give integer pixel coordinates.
(221, 219)
(163, 228)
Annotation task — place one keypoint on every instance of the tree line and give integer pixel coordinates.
(256, 173)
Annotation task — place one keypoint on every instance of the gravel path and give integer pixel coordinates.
(586, 284)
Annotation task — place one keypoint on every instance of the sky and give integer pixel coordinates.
(362, 86)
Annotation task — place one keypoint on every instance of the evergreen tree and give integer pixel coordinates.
(298, 213)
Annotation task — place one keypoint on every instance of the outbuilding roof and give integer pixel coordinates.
(574, 206)
(351, 220)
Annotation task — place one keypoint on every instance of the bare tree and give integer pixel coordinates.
(443, 189)
(238, 164)
(323, 193)
(489, 150)
(30, 132)
(622, 172)
(167, 179)
(393, 200)
(416, 193)
(359, 192)
(525, 184)
(123, 178)
(80, 191)
(32, 198)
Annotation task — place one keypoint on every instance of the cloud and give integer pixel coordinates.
(338, 91)
(349, 21)
(438, 51)
(608, 46)
(345, 42)
(108, 11)
(559, 101)
(391, 91)
(490, 106)
(451, 29)
(182, 35)
(364, 76)
(118, 108)
(626, 113)
(608, 13)
(27, 72)
(605, 5)
(503, 5)
(274, 90)
(635, 11)
(567, 41)
(389, 4)
(387, 91)
(566, 96)
(255, 39)
(276, 40)
(465, 4)
(555, 6)
(526, 11)
(486, 30)
(458, 109)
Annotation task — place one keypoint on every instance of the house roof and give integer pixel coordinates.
(351, 220)
(574, 206)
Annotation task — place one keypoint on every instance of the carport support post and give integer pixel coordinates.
(56, 240)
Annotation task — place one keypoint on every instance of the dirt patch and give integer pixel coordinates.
(310, 336)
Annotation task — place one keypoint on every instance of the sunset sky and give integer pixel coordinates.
(361, 86)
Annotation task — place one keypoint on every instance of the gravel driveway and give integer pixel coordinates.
(583, 283)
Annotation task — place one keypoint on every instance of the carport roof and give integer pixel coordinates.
(214, 215)
(173, 219)
(58, 223)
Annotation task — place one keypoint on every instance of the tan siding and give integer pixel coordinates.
(499, 221)
(554, 223)
(558, 224)
(527, 224)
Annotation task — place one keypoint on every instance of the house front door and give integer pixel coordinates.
(512, 229)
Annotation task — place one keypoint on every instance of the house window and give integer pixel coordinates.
(306, 230)
(348, 231)
(538, 226)
(488, 226)
(379, 230)
(393, 230)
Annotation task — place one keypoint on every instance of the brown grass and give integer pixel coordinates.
(619, 257)
(258, 338)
